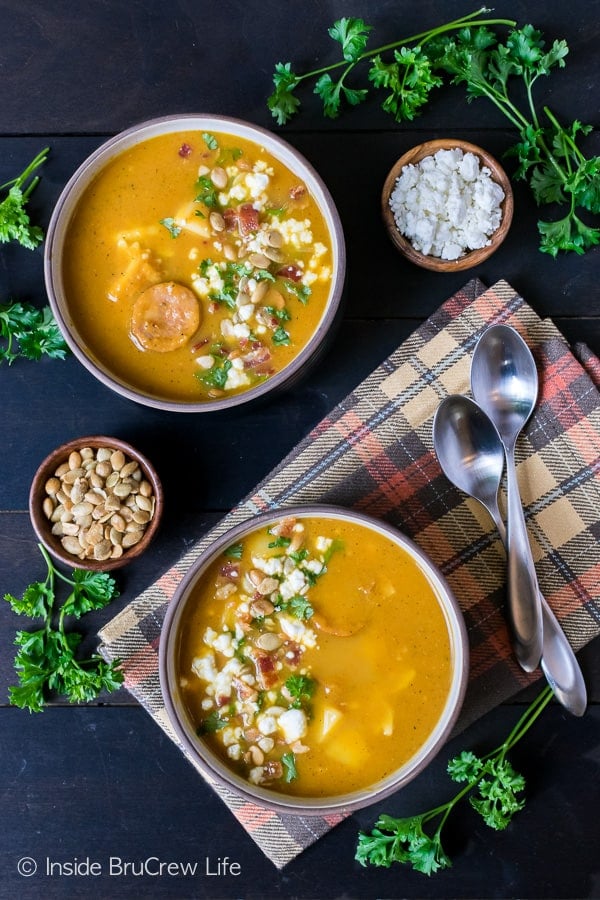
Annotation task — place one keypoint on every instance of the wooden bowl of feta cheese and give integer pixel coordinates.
(447, 205)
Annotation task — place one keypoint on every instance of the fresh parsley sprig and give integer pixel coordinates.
(469, 51)
(495, 790)
(15, 224)
(46, 659)
(28, 332)
(548, 154)
(408, 78)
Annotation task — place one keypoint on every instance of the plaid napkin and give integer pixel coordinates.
(374, 452)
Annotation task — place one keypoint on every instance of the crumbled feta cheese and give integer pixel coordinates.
(205, 362)
(293, 724)
(205, 667)
(447, 204)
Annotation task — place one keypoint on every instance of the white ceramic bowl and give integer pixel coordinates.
(213, 766)
(56, 249)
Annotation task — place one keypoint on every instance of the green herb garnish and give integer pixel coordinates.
(469, 51)
(280, 541)
(289, 762)
(15, 224)
(302, 291)
(171, 226)
(210, 140)
(29, 333)
(211, 723)
(280, 337)
(46, 658)
(497, 788)
(207, 192)
(301, 688)
(235, 551)
(217, 376)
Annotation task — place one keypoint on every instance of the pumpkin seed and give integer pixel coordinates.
(268, 641)
(74, 460)
(117, 460)
(48, 507)
(217, 221)
(259, 260)
(218, 176)
(274, 254)
(274, 238)
(52, 486)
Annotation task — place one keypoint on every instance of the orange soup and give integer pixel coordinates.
(197, 265)
(315, 658)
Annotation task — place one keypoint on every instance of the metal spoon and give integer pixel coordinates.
(504, 383)
(472, 457)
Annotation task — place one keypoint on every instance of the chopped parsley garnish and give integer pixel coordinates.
(212, 723)
(300, 607)
(210, 140)
(289, 762)
(280, 337)
(230, 274)
(171, 226)
(235, 551)
(281, 314)
(280, 541)
(207, 192)
(335, 546)
(301, 688)
(217, 376)
(299, 555)
(302, 291)
(229, 155)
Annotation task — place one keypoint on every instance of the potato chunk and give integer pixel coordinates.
(164, 317)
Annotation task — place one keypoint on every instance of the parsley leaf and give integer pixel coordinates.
(301, 688)
(46, 659)
(211, 723)
(280, 337)
(352, 34)
(29, 333)
(210, 141)
(15, 224)
(207, 192)
(496, 786)
(235, 551)
(289, 762)
(172, 227)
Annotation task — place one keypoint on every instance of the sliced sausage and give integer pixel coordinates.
(164, 317)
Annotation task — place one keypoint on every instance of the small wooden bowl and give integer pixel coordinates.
(474, 257)
(42, 525)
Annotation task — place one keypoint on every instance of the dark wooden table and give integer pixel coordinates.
(102, 781)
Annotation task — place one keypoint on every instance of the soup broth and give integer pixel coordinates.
(315, 658)
(196, 266)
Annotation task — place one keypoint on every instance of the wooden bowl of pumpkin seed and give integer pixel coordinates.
(95, 503)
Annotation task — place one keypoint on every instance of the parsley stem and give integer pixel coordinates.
(421, 37)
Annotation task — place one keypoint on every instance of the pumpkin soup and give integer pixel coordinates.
(198, 265)
(315, 658)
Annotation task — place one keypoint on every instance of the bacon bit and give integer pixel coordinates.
(285, 528)
(230, 217)
(243, 690)
(213, 307)
(230, 570)
(297, 191)
(292, 652)
(272, 769)
(222, 700)
(291, 272)
(247, 219)
(199, 344)
(251, 734)
(185, 151)
(256, 358)
(265, 669)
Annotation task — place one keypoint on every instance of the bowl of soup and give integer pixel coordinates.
(195, 262)
(313, 660)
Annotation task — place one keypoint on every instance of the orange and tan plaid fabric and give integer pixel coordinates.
(374, 452)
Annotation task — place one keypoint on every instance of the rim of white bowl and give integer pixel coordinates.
(211, 765)
(85, 174)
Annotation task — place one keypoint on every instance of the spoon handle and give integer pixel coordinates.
(523, 591)
(559, 665)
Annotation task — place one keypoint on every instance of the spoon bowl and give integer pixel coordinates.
(471, 455)
(505, 384)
